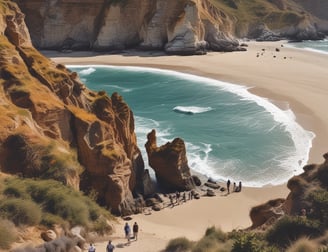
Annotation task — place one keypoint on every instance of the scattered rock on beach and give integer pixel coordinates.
(210, 193)
(212, 185)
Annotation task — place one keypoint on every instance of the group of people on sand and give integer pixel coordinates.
(235, 188)
(180, 197)
(127, 231)
(109, 248)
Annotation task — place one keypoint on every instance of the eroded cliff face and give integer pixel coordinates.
(52, 126)
(178, 27)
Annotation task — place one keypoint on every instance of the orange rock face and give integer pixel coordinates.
(52, 126)
(169, 163)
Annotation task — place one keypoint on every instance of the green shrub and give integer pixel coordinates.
(206, 244)
(319, 199)
(49, 220)
(291, 228)
(49, 202)
(101, 226)
(216, 234)
(247, 242)
(303, 245)
(180, 244)
(20, 211)
(212, 239)
(16, 191)
(7, 234)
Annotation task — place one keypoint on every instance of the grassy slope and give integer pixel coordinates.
(259, 11)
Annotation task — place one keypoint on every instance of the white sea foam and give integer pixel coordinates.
(87, 71)
(191, 109)
(291, 163)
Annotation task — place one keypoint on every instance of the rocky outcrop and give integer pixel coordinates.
(52, 126)
(267, 213)
(178, 27)
(299, 201)
(314, 177)
(169, 163)
(175, 26)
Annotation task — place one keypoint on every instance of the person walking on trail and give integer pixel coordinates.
(91, 248)
(135, 230)
(127, 231)
(228, 185)
(110, 247)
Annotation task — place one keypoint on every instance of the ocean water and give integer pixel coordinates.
(229, 132)
(320, 46)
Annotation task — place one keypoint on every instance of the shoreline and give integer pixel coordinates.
(290, 75)
(245, 69)
(281, 112)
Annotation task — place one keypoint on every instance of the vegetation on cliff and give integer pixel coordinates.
(47, 203)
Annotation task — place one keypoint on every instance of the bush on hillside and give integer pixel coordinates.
(7, 234)
(20, 211)
(319, 200)
(101, 226)
(212, 239)
(180, 244)
(303, 244)
(217, 234)
(290, 228)
(248, 242)
(60, 204)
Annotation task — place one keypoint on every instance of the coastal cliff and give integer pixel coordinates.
(54, 127)
(177, 27)
(308, 194)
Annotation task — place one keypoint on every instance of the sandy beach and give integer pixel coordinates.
(288, 77)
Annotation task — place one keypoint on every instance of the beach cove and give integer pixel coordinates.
(288, 77)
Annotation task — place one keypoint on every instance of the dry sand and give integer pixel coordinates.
(290, 77)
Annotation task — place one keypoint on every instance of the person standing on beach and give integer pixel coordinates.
(135, 230)
(127, 231)
(110, 247)
(91, 248)
(228, 185)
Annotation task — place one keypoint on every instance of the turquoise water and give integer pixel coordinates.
(320, 46)
(229, 133)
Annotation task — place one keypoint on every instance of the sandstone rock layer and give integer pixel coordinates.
(52, 126)
(169, 163)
